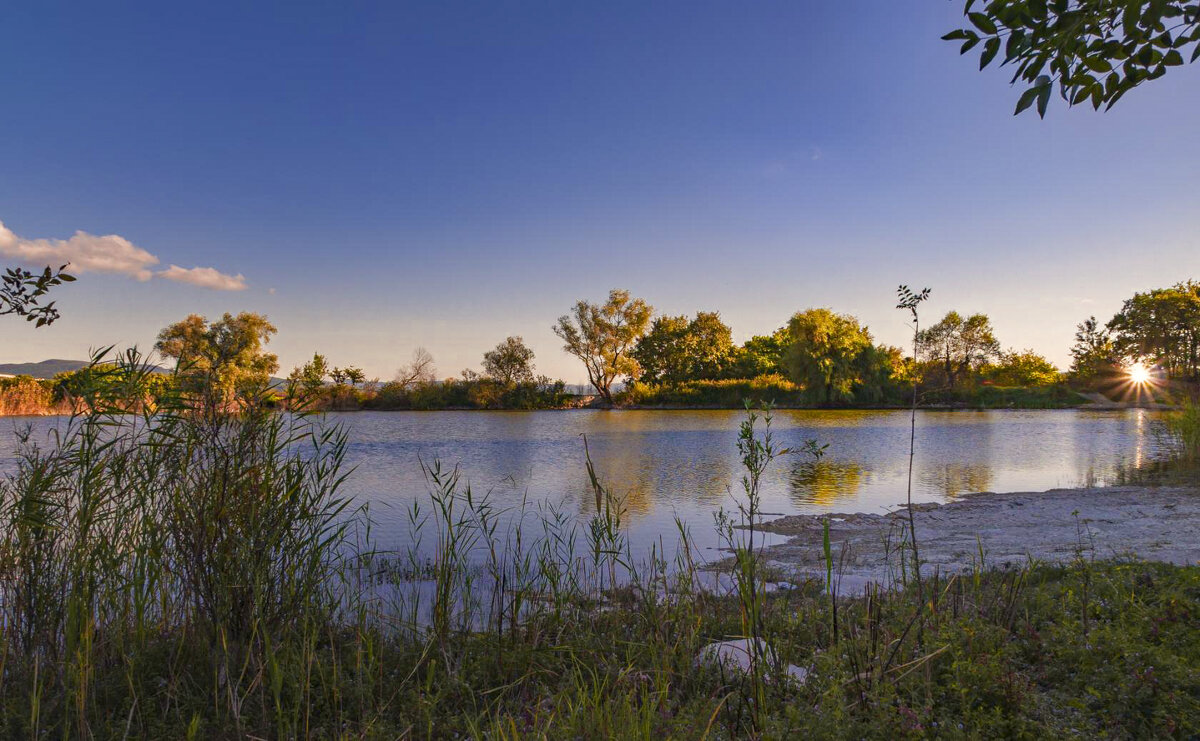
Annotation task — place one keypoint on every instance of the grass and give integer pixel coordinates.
(1184, 426)
(191, 575)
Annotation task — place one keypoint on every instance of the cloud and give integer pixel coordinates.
(87, 253)
(205, 278)
(112, 253)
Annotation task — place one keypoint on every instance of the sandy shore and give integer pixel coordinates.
(1007, 529)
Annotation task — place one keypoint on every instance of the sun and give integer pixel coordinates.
(1139, 374)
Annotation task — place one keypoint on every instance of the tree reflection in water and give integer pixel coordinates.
(825, 482)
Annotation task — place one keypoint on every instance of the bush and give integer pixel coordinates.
(727, 393)
(469, 393)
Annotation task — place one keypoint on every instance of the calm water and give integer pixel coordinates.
(685, 463)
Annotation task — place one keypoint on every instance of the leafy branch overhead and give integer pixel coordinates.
(1092, 50)
(21, 289)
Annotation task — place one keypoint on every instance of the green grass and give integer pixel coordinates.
(190, 574)
(1184, 427)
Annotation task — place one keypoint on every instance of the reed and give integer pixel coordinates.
(1184, 426)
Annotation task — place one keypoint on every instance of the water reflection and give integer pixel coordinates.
(685, 463)
(952, 479)
(825, 482)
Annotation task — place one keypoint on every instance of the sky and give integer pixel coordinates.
(377, 177)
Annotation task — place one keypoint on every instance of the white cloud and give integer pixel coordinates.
(112, 253)
(205, 278)
(87, 253)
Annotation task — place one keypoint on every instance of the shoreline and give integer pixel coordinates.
(1114, 407)
(994, 529)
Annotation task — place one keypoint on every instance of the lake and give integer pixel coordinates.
(685, 463)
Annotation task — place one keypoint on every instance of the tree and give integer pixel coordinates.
(1093, 50)
(1162, 325)
(311, 376)
(603, 337)
(761, 355)
(223, 360)
(510, 363)
(348, 375)
(676, 350)
(1025, 368)
(1093, 353)
(959, 346)
(420, 371)
(880, 369)
(20, 291)
(824, 353)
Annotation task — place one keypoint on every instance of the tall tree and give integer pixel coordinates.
(1162, 325)
(959, 345)
(824, 353)
(511, 362)
(21, 290)
(676, 350)
(311, 376)
(1093, 353)
(1094, 51)
(420, 371)
(220, 360)
(602, 336)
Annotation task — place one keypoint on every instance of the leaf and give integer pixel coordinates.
(1173, 59)
(1026, 100)
(982, 22)
(1097, 64)
(989, 51)
(1043, 98)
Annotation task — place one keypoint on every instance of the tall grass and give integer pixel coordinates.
(1184, 427)
(216, 540)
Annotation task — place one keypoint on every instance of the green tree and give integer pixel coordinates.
(1093, 353)
(1025, 368)
(222, 360)
(1162, 325)
(824, 354)
(21, 290)
(510, 363)
(1094, 51)
(676, 350)
(603, 336)
(761, 355)
(959, 346)
(311, 376)
(881, 368)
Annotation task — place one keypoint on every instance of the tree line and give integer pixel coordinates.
(831, 359)
(818, 357)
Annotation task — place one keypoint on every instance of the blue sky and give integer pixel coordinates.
(386, 176)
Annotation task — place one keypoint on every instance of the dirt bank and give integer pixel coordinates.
(1153, 523)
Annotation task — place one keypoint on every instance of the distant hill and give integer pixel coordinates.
(44, 369)
(51, 368)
